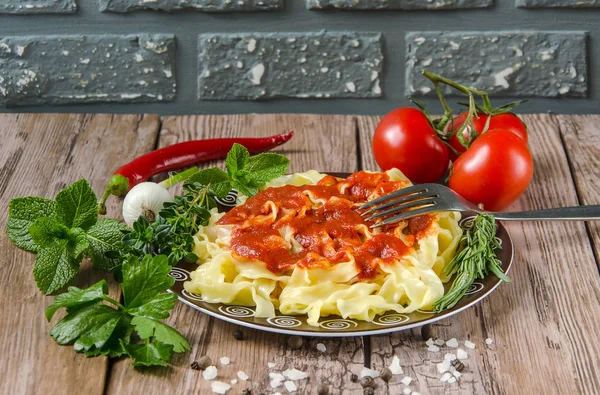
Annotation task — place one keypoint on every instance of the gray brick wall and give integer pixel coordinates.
(323, 56)
(558, 3)
(304, 65)
(37, 7)
(86, 69)
(540, 64)
(397, 4)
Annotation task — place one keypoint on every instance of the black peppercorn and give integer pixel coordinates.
(385, 374)
(323, 389)
(195, 365)
(366, 381)
(353, 378)
(368, 391)
(204, 362)
(247, 391)
(238, 335)
(294, 342)
(458, 365)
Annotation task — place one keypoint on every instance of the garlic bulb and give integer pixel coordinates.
(146, 198)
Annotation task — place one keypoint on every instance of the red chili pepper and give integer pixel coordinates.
(181, 155)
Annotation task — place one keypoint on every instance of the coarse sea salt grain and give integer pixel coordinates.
(469, 344)
(224, 361)
(433, 348)
(210, 373)
(219, 387)
(321, 347)
(449, 356)
(395, 367)
(456, 373)
(369, 372)
(406, 380)
(290, 386)
(443, 366)
(445, 377)
(233, 381)
(439, 342)
(416, 393)
(242, 375)
(462, 354)
(489, 341)
(407, 391)
(295, 374)
(452, 379)
(275, 383)
(452, 343)
(430, 342)
(271, 365)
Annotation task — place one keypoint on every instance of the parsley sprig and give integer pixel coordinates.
(476, 259)
(96, 328)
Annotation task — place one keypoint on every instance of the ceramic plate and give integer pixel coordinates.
(335, 326)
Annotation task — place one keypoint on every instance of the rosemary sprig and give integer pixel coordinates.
(476, 259)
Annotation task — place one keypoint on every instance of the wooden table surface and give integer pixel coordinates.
(545, 325)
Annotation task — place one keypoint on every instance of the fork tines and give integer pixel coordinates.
(409, 202)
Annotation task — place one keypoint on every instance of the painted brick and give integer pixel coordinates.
(85, 69)
(542, 64)
(37, 6)
(397, 4)
(260, 66)
(558, 3)
(199, 5)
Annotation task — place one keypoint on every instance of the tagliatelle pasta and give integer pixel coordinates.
(300, 247)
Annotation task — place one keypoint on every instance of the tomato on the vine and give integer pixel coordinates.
(405, 139)
(494, 171)
(507, 121)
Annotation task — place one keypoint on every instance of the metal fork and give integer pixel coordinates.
(426, 198)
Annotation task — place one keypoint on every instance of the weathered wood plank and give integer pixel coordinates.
(322, 143)
(581, 135)
(39, 155)
(544, 324)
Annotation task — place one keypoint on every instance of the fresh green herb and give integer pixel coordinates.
(62, 232)
(245, 173)
(171, 233)
(95, 328)
(476, 259)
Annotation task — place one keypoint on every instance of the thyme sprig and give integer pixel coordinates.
(476, 259)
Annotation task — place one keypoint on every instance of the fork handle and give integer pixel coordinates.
(575, 213)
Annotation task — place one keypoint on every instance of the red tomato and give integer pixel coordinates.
(507, 121)
(494, 171)
(404, 139)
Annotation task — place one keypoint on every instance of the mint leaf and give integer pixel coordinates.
(158, 308)
(264, 167)
(78, 242)
(149, 354)
(236, 159)
(246, 189)
(142, 281)
(76, 206)
(75, 297)
(55, 266)
(95, 322)
(146, 328)
(22, 213)
(105, 237)
(218, 180)
(45, 231)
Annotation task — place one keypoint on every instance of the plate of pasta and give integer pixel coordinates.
(297, 258)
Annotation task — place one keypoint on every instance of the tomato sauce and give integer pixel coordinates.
(328, 234)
